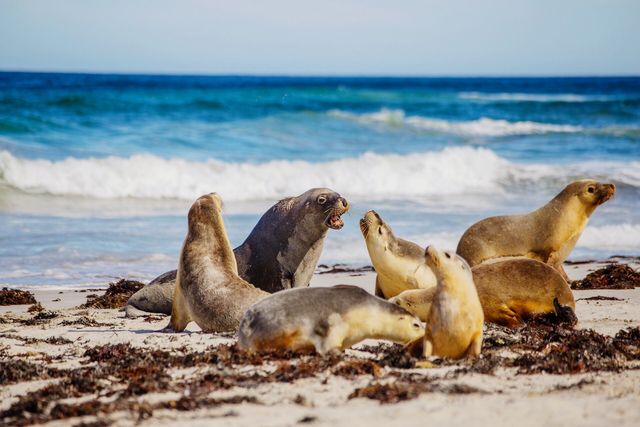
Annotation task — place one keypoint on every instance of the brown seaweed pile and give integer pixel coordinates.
(613, 276)
(124, 373)
(116, 295)
(16, 297)
(118, 377)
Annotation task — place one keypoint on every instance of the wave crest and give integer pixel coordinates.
(454, 170)
(481, 127)
(451, 171)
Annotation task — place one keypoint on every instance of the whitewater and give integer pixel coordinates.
(97, 172)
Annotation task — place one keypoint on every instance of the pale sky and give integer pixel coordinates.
(325, 37)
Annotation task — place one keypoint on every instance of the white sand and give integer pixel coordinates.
(605, 398)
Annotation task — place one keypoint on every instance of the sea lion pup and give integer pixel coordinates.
(547, 234)
(399, 263)
(281, 252)
(326, 319)
(510, 292)
(455, 319)
(208, 289)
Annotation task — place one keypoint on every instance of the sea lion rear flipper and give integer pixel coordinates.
(564, 313)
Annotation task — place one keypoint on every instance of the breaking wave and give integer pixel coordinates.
(454, 170)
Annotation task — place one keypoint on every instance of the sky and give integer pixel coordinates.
(327, 37)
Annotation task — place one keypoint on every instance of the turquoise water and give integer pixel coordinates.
(97, 171)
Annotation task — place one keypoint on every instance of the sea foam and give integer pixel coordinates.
(451, 171)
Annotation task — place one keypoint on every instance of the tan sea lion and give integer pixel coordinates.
(208, 289)
(455, 319)
(510, 291)
(547, 234)
(399, 263)
(281, 252)
(324, 319)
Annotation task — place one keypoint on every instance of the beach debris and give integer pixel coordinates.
(35, 308)
(343, 268)
(16, 297)
(116, 295)
(614, 276)
(17, 370)
(600, 298)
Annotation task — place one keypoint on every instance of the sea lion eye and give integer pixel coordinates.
(416, 325)
(380, 230)
(447, 254)
(322, 199)
(591, 189)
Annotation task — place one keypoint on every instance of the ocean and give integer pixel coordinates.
(97, 172)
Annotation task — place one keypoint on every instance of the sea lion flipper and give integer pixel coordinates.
(379, 292)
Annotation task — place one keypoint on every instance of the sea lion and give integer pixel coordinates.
(455, 319)
(547, 234)
(281, 252)
(208, 289)
(510, 291)
(324, 319)
(399, 263)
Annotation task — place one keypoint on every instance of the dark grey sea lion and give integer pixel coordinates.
(281, 252)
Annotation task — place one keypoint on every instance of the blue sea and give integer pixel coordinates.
(97, 172)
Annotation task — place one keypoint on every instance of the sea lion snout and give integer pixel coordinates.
(606, 191)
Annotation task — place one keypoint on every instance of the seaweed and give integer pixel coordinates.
(116, 296)
(614, 276)
(16, 297)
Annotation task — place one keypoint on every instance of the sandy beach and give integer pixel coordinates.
(70, 366)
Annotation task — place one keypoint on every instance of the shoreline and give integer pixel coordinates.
(367, 385)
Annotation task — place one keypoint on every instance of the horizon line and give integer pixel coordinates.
(319, 76)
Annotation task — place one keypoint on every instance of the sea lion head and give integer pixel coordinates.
(445, 264)
(394, 323)
(589, 192)
(326, 205)
(204, 211)
(375, 231)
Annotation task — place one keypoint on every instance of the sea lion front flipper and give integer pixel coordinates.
(475, 347)
(179, 313)
(378, 291)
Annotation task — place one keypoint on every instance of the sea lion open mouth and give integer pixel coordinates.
(335, 222)
(334, 219)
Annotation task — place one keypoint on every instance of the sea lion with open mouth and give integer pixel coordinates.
(281, 252)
